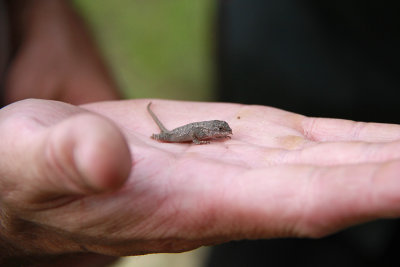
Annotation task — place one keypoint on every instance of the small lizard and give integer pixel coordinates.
(196, 132)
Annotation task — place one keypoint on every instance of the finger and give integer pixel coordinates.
(341, 153)
(320, 129)
(343, 196)
(84, 154)
(309, 201)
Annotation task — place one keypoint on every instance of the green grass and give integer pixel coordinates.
(156, 48)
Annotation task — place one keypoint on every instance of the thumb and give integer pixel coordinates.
(81, 155)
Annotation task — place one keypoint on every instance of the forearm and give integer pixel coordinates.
(38, 18)
(71, 69)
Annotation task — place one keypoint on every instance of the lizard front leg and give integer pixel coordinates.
(197, 141)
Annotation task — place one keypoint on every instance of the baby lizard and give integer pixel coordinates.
(196, 132)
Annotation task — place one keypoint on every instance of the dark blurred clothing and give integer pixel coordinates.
(317, 58)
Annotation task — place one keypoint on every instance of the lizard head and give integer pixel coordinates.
(217, 129)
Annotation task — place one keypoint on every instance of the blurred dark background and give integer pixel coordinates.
(320, 58)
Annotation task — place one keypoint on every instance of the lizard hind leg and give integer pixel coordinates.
(155, 136)
(163, 137)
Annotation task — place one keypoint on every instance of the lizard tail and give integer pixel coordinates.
(158, 122)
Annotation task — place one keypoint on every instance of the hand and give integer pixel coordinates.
(56, 56)
(281, 175)
(53, 154)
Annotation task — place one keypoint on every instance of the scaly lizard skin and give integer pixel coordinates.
(196, 132)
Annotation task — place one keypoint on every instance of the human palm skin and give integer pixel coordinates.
(100, 184)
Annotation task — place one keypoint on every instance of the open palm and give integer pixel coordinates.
(281, 175)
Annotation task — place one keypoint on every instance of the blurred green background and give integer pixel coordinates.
(156, 48)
